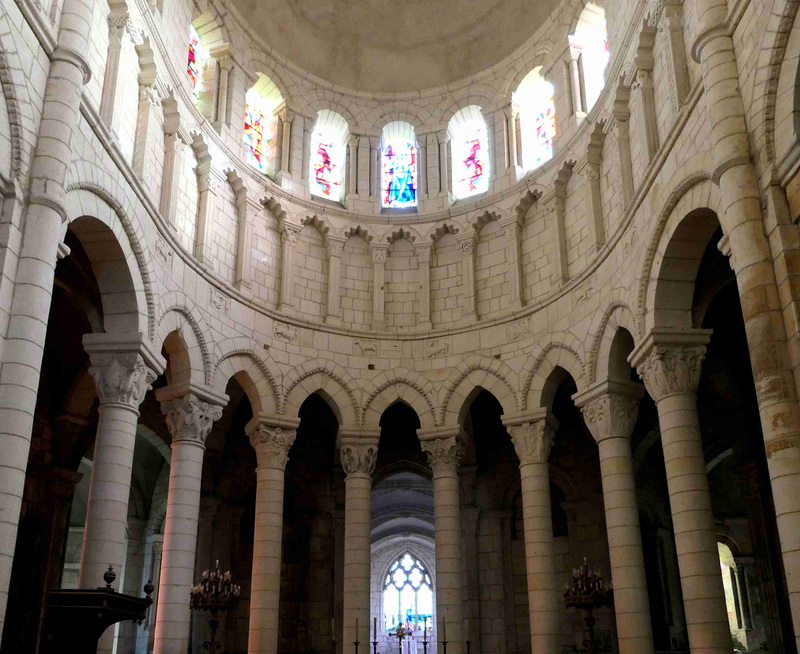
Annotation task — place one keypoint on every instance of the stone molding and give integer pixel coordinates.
(359, 456)
(669, 361)
(190, 419)
(610, 408)
(444, 453)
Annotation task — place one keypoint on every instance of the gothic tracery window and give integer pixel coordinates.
(537, 115)
(328, 155)
(196, 56)
(407, 595)
(399, 166)
(470, 152)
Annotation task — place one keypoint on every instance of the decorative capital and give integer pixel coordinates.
(669, 362)
(271, 443)
(610, 409)
(379, 254)
(289, 234)
(532, 440)
(444, 455)
(189, 418)
(443, 136)
(286, 115)
(121, 378)
(335, 246)
(149, 93)
(359, 457)
(467, 245)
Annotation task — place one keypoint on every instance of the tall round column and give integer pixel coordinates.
(272, 442)
(532, 442)
(444, 454)
(669, 363)
(610, 410)
(189, 420)
(122, 369)
(358, 460)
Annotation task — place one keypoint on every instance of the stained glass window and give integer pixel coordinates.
(399, 166)
(328, 155)
(256, 134)
(407, 595)
(470, 147)
(537, 116)
(196, 56)
(591, 35)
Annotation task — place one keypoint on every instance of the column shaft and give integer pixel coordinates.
(446, 510)
(358, 489)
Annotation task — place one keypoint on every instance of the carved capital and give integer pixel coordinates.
(669, 362)
(289, 234)
(467, 245)
(335, 246)
(272, 444)
(610, 409)
(121, 378)
(379, 254)
(149, 93)
(189, 418)
(359, 457)
(444, 455)
(532, 440)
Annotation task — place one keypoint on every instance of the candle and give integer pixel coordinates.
(356, 628)
(333, 631)
(375, 627)
(444, 628)
(425, 629)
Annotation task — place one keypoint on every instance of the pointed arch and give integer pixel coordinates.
(175, 311)
(399, 384)
(337, 383)
(478, 371)
(604, 327)
(236, 357)
(541, 363)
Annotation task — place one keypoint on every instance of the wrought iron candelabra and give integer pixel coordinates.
(216, 592)
(588, 592)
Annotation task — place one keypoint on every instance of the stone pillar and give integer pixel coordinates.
(225, 63)
(443, 137)
(306, 159)
(149, 106)
(335, 250)
(247, 212)
(33, 285)
(511, 132)
(743, 596)
(466, 243)
(422, 167)
(532, 436)
(378, 276)
(118, 26)
(444, 453)
(424, 259)
(775, 364)
(352, 166)
(156, 543)
(646, 108)
(555, 211)
(375, 170)
(359, 452)
(286, 117)
(622, 116)
(272, 438)
(170, 184)
(609, 410)
(431, 171)
(513, 229)
(594, 200)
(207, 186)
(289, 235)
(123, 367)
(670, 364)
(672, 23)
(190, 415)
(578, 97)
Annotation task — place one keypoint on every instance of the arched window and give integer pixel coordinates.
(537, 116)
(328, 155)
(407, 595)
(470, 152)
(399, 165)
(591, 36)
(194, 65)
(259, 121)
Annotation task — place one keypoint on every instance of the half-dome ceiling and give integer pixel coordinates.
(393, 46)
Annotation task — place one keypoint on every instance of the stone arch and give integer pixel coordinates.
(478, 371)
(320, 223)
(486, 215)
(117, 260)
(259, 378)
(338, 386)
(275, 208)
(543, 361)
(480, 95)
(381, 116)
(605, 325)
(358, 230)
(399, 384)
(437, 231)
(10, 89)
(403, 232)
(535, 58)
(175, 310)
(324, 103)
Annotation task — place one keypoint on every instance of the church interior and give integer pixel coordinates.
(400, 327)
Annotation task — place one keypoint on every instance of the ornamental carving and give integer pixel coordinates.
(288, 333)
(611, 415)
(149, 93)
(379, 255)
(532, 441)
(519, 329)
(190, 419)
(289, 236)
(272, 445)
(359, 457)
(671, 369)
(164, 251)
(367, 348)
(444, 455)
(219, 301)
(467, 247)
(438, 348)
(121, 378)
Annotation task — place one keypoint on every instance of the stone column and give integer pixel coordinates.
(170, 183)
(156, 543)
(335, 250)
(555, 210)
(190, 414)
(622, 116)
(466, 243)
(424, 259)
(609, 410)
(352, 166)
(422, 167)
(511, 131)
(431, 171)
(247, 212)
(672, 22)
(272, 438)
(119, 24)
(578, 101)
(378, 276)
(225, 63)
(286, 117)
(375, 170)
(775, 363)
(670, 364)
(33, 284)
(207, 186)
(359, 452)
(149, 106)
(532, 436)
(646, 108)
(594, 200)
(289, 234)
(513, 229)
(444, 453)
(443, 137)
(123, 367)
(306, 159)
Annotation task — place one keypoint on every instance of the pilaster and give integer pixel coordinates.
(424, 259)
(335, 250)
(207, 188)
(289, 234)
(513, 230)
(466, 243)
(379, 252)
